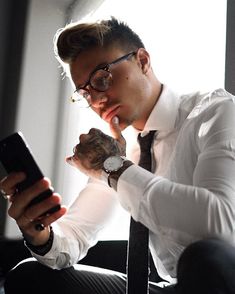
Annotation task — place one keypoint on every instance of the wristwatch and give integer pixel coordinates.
(113, 167)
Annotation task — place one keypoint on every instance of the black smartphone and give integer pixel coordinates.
(15, 155)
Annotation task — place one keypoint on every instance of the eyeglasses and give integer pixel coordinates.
(100, 80)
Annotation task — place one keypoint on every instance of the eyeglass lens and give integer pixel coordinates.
(100, 81)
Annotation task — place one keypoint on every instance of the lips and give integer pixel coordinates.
(110, 113)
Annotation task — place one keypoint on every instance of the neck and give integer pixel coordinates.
(139, 125)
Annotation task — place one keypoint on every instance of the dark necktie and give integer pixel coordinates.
(138, 245)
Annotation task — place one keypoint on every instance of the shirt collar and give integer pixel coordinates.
(163, 115)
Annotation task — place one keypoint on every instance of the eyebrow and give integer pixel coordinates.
(99, 66)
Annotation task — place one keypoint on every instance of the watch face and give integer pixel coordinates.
(113, 163)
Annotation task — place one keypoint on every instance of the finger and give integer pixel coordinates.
(46, 221)
(9, 183)
(81, 166)
(94, 131)
(73, 160)
(49, 219)
(21, 200)
(39, 210)
(83, 138)
(26, 223)
(37, 213)
(116, 130)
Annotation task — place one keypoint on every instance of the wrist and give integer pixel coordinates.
(114, 176)
(41, 249)
(113, 167)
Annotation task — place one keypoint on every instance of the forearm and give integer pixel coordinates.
(160, 203)
(81, 227)
(65, 251)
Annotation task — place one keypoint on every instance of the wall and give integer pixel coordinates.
(13, 16)
(186, 43)
(40, 87)
(44, 112)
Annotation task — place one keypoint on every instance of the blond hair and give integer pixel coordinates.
(78, 37)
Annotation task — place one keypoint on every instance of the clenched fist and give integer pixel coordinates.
(95, 147)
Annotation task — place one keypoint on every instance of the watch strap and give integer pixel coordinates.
(114, 176)
(44, 248)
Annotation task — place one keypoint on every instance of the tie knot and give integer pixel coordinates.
(146, 141)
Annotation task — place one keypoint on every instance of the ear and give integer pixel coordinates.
(143, 60)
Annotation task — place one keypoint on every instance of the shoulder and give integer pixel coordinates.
(204, 104)
(208, 114)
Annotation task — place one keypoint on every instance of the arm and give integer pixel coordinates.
(26, 216)
(81, 227)
(77, 231)
(74, 233)
(206, 206)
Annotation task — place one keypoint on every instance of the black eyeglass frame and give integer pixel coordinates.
(106, 67)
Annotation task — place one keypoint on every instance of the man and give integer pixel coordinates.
(187, 202)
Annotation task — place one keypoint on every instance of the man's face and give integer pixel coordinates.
(126, 95)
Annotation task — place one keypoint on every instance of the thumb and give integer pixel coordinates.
(115, 128)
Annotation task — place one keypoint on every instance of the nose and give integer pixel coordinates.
(98, 99)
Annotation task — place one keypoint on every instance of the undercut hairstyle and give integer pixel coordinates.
(76, 38)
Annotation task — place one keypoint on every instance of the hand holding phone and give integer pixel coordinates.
(15, 155)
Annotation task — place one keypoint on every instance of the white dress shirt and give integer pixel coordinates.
(189, 196)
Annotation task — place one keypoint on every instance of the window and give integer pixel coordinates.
(186, 40)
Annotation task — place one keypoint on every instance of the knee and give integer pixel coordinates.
(207, 262)
(25, 277)
(206, 252)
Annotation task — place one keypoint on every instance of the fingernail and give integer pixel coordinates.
(115, 120)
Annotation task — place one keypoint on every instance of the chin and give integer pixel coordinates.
(124, 125)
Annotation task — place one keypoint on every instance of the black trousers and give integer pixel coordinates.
(205, 267)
